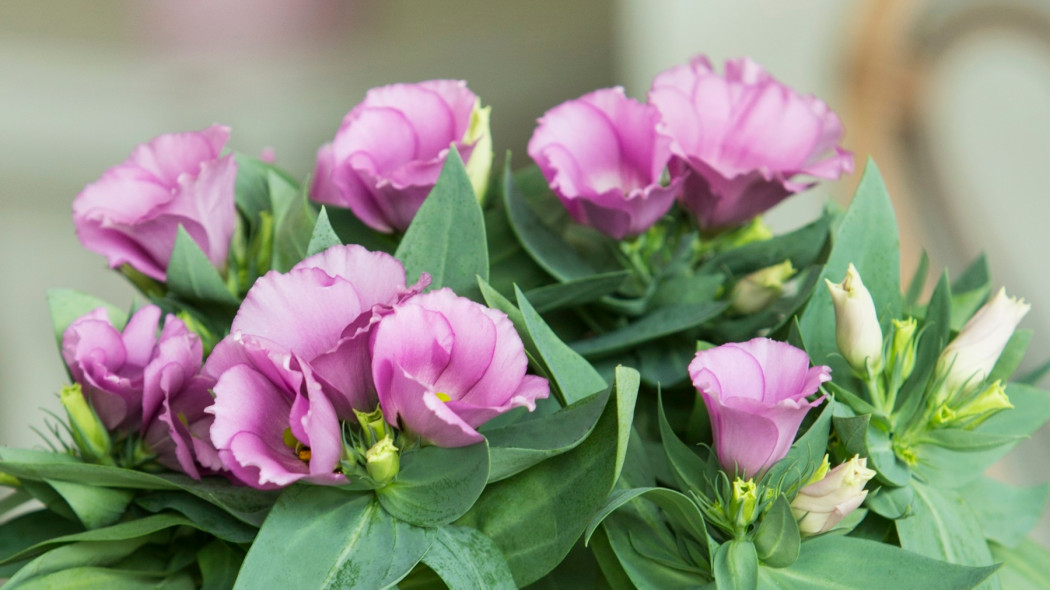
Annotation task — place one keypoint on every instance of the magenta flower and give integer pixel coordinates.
(139, 382)
(444, 365)
(389, 151)
(131, 215)
(742, 138)
(604, 158)
(297, 362)
(755, 393)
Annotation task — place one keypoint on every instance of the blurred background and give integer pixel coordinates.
(951, 97)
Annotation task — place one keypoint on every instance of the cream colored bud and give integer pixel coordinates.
(821, 505)
(857, 330)
(758, 290)
(383, 461)
(968, 359)
(479, 133)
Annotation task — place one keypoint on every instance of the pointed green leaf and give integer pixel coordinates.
(656, 324)
(219, 564)
(1006, 513)
(864, 439)
(447, 235)
(293, 222)
(191, 275)
(577, 291)
(891, 502)
(436, 485)
(736, 566)
(323, 236)
(1024, 566)
(1011, 356)
(466, 560)
(95, 506)
(777, 539)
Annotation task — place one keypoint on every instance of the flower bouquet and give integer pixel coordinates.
(598, 370)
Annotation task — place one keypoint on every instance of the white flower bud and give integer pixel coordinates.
(821, 505)
(758, 290)
(857, 330)
(968, 360)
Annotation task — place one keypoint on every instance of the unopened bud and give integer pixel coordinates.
(383, 461)
(902, 348)
(373, 425)
(857, 330)
(823, 504)
(989, 402)
(745, 500)
(479, 133)
(758, 290)
(88, 432)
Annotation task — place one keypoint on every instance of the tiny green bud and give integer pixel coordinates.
(902, 349)
(479, 133)
(821, 471)
(88, 432)
(758, 290)
(986, 404)
(373, 425)
(383, 461)
(745, 500)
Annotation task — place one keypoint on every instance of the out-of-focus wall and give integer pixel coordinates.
(82, 82)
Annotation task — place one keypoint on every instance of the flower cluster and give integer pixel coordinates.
(728, 147)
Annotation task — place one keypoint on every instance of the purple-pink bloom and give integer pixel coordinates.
(297, 362)
(604, 158)
(742, 138)
(444, 365)
(755, 393)
(131, 215)
(140, 382)
(389, 150)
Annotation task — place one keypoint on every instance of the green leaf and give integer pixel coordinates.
(191, 275)
(777, 539)
(801, 247)
(334, 539)
(736, 566)
(864, 439)
(131, 529)
(942, 526)
(965, 304)
(536, 516)
(977, 276)
(575, 378)
(111, 579)
(656, 324)
(544, 245)
(834, 562)
(294, 221)
(867, 237)
(935, 332)
(1024, 566)
(918, 282)
(205, 516)
(625, 532)
(66, 305)
(323, 236)
(890, 502)
(516, 447)
(22, 532)
(447, 235)
(97, 553)
(577, 291)
(681, 511)
(95, 507)
(690, 471)
(1006, 513)
(352, 230)
(466, 559)
(436, 485)
(958, 439)
(219, 564)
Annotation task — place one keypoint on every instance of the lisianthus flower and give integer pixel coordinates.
(131, 215)
(444, 365)
(741, 139)
(140, 383)
(296, 364)
(755, 393)
(389, 151)
(604, 159)
(969, 358)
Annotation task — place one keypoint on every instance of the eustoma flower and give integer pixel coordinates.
(296, 364)
(443, 365)
(823, 503)
(389, 151)
(131, 215)
(742, 138)
(604, 159)
(755, 393)
(140, 383)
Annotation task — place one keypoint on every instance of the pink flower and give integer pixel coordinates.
(755, 393)
(604, 158)
(444, 365)
(742, 138)
(139, 382)
(390, 149)
(297, 362)
(131, 215)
